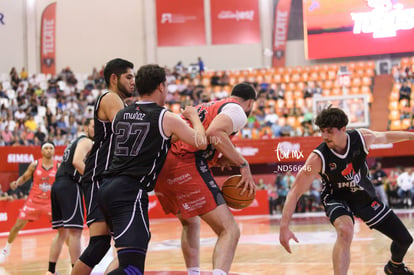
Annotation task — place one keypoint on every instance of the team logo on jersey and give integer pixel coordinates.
(348, 172)
(332, 166)
(45, 187)
(375, 205)
(353, 179)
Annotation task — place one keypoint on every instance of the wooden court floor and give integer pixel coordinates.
(258, 252)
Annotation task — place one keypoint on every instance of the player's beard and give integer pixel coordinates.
(124, 90)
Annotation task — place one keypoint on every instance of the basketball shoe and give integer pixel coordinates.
(3, 254)
(391, 268)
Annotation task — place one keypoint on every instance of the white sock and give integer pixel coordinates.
(193, 271)
(8, 245)
(219, 272)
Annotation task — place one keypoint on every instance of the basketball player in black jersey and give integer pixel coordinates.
(347, 191)
(141, 140)
(120, 80)
(66, 197)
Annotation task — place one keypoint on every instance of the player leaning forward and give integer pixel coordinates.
(347, 191)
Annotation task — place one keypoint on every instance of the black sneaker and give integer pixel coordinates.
(393, 269)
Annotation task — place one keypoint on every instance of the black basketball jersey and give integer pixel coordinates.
(66, 167)
(346, 176)
(139, 144)
(100, 156)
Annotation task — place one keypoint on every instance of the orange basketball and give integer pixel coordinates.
(231, 193)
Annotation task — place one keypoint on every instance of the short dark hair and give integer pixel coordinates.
(116, 66)
(244, 90)
(331, 117)
(148, 78)
(88, 121)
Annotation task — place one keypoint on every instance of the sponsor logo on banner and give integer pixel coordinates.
(235, 22)
(280, 32)
(384, 20)
(171, 18)
(20, 158)
(48, 40)
(248, 151)
(237, 15)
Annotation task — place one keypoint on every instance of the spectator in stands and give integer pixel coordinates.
(26, 137)
(406, 186)
(317, 90)
(14, 78)
(24, 74)
(215, 79)
(315, 193)
(272, 197)
(283, 187)
(7, 136)
(379, 178)
(271, 117)
(286, 129)
(280, 92)
(405, 91)
(31, 123)
(179, 70)
(224, 79)
(394, 200)
(20, 115)
(308, 90)
(201, 68)
(3, 92)
(307, 128)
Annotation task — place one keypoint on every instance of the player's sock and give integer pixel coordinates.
(193, 271)
(52, 267)
(219, 272)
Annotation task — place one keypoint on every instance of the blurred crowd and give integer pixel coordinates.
(38, 107)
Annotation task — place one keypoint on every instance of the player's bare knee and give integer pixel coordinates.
(345, 232)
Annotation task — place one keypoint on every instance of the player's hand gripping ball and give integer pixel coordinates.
(231, 193)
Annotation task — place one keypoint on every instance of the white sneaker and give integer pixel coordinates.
(3, 255)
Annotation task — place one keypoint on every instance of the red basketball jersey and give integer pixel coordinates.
(207, 112)
(42, 182)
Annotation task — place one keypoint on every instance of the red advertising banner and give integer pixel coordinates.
(278, 150)
(280, 32)
(235, 22)
(336, 28)
(12, 156)
(180, 23)
(48, 40)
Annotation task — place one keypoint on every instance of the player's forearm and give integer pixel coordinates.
(394, 136)
(288, 210)
(221, 141)
(199, 134)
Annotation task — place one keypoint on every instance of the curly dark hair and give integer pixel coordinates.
(331, 117)
(148, 78)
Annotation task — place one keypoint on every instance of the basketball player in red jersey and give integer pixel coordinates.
(186, 186)
(43, 172)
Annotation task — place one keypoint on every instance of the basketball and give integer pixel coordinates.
(231, 193)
